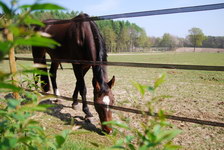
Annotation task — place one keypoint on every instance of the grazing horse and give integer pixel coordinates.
(79, 40)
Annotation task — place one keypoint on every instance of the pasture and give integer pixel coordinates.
(195, 94)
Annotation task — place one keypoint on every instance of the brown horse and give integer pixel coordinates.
(79, 40)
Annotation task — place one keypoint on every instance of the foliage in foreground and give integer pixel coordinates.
(17, 128)
(154, 133)
(19, 131)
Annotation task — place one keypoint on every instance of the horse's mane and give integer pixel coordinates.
(100, 43)
(100, 71)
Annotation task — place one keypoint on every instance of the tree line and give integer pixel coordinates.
(123, 36)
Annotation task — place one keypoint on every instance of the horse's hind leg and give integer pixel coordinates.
(53, 71)
(81, 88)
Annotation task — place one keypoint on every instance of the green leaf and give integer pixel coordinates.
(129, 138)
(8, 143)
(116, 123)
(159, 81)
(29, 20)
(46, 106)
(131, 146)
(4, 48)
(119, 144)
(44, 6)
(151, 136)
(151, 89)
(12, 103)
(167, 135)
(65, 133)
(9, 86)
(5, 8)
(37, 41)
(37, 128)
(140, 88)
(156, 129)
(2, 113)
(171, 147)
(95, 144)
(15, 30)
(33, 122)
(145, 147)
(24, 139)
(34, 71)
(59, 140)
(31, 96)
(31, 108)
(118, 147)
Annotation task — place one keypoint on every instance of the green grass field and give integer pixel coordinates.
(195, 94)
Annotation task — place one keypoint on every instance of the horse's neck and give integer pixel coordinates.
(100, 74)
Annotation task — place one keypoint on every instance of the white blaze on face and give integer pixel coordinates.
(106, 101)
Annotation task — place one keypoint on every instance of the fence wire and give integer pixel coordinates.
(146, 13)
(131, 64)
(135, 111)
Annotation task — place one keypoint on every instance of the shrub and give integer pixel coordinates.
(154, 133)
(17, 128)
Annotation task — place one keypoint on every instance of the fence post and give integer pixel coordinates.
(12, 63)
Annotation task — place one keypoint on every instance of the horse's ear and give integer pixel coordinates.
(111, 82)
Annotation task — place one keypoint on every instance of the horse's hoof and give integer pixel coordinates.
(75, 107)
(88, 115)
(88, 119)
(57, 101)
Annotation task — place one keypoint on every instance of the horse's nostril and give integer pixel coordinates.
(108, 131)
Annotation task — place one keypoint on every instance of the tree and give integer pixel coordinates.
(110, 38)
(196, 37)
(123, 40)
(169, 41)
(213, 42)
(143, 40)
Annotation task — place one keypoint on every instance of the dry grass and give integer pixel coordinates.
(195, 94)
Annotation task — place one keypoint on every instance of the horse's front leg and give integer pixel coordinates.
(83, 93)
(39, 56)
(75, 96)
(53, 71)
(81, 88)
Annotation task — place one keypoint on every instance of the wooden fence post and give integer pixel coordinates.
(12, 63)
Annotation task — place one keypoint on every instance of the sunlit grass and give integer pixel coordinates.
(196, 94)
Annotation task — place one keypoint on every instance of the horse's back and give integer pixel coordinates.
(75, 36)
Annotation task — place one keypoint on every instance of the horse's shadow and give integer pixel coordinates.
(55, 111)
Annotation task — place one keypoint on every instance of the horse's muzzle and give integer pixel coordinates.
(107, 129)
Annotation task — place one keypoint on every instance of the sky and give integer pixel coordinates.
(211, 22)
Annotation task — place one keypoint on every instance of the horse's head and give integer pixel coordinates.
(103, 99)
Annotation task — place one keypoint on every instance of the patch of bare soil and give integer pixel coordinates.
(190, 49)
